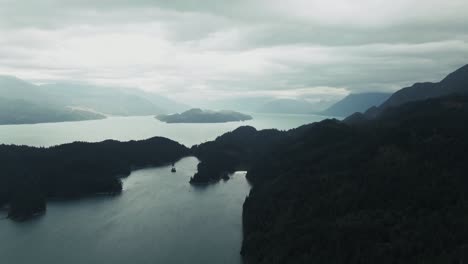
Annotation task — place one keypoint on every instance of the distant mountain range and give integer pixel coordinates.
(291, 106)
(24, 112)
(270, 105)
(24, 102)
(356, 103)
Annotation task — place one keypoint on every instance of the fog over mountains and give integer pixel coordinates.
(356, 103)
(23, 102)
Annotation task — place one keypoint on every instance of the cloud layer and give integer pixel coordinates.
(198, 50)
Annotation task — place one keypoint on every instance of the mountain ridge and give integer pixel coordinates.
(356, 103)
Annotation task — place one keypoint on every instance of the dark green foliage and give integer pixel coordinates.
(232, 151)
(26, 199)
(30, 175)
(392, 190)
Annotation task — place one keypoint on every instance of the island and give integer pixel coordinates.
(197, 115)
(30, 176)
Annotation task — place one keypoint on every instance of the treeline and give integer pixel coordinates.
(231, 152)
(31, 175)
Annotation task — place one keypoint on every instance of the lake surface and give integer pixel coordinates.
(159, 217)
(137, 128)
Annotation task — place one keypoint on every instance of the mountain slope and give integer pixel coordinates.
(17, 89)
(106, 100)
(390, 190)
(24, 102)
(291, 106)
(454, 83)
(356, 103)
(24, 112)
(165, 104)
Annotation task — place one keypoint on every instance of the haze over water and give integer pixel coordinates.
(138, 128)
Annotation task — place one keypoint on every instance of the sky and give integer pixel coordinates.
(215, 49)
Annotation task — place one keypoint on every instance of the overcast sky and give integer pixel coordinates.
(194, 50)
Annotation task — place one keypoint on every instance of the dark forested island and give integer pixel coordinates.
(197, 115)
(31, 175)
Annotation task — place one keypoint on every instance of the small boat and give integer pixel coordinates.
(173, 169)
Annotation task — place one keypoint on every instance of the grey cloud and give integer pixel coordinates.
(230, 47)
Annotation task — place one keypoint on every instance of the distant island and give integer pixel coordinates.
(197, 115)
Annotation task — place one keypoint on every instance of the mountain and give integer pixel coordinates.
(164, 103)
(356, 103)
(454, 83)
(111, 101)
(268, 105)
(246, 104)
(24, 102)
(197, 115)
(24, 112)
(391, 189)
(291, 106)
(17, 89)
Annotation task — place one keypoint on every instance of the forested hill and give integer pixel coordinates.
(31, 175)
(392, 190)
(232, 151)
(455, 83)
(387, 190)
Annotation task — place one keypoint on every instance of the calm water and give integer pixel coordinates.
(135, 128)
(159, 218)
